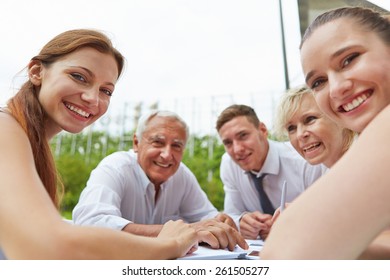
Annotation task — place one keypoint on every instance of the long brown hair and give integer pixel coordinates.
(27, 110)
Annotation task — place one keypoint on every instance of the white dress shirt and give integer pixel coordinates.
(282, 163)
(119, 192)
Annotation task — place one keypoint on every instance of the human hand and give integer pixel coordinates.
(253, 224)
(225, 218)
(219, 235)
(183, 236)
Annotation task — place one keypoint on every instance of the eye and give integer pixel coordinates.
(349, 59)
(310, 119)
(158, 142)
(243, 135)
(79, 77)
(291, 129)
(316, 84)
(177, 147)
(227, 143)
(106, 92)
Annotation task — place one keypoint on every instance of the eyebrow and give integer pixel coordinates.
(163, 138)
(156, 137)
(333, 56)
(308, 76)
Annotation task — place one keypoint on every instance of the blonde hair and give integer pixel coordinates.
(288, 106)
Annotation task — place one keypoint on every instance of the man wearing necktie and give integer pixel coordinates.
(254, 168)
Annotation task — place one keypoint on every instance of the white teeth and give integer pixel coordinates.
(355, 103)
(311, 147)
(162, 165)
(78, 111)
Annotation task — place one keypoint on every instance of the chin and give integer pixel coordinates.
(73, 130)
(246, 168)
(314, 161)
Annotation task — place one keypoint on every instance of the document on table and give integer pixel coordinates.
(207, 253)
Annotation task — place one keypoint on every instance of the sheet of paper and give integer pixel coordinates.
(255, 247)
(207, 253)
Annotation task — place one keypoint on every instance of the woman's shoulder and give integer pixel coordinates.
(8, 122)
(12, 133)
(16, 152)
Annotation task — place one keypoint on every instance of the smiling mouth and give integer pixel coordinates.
(77, 110)
(311, 147)
(242, 158)
(355, 103)
(163, 165)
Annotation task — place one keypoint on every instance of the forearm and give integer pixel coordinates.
(82, 242)
(120, 245)
(144, 230)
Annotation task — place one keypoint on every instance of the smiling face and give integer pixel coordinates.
(316, 138)
(75, 90)
(348, 69)
(246, 144)
(161, 148)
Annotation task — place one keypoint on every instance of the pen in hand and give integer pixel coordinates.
(283, 199)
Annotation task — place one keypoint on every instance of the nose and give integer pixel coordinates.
(91, 96)
(166, 152)
(302, 132)
(339, 85)
(237, 147)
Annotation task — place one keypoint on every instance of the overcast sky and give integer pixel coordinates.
(174, 48)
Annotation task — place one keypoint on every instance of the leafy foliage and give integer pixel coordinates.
(203, 158)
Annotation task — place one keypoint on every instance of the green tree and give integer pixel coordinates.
(203, 157)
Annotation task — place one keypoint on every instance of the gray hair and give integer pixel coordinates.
(144, 120)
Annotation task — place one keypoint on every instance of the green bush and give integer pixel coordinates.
(74, 173)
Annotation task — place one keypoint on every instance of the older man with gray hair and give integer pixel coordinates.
(137, 191)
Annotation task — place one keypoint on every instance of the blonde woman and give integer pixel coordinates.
(316, 138)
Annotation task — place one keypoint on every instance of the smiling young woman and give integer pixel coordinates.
(69, 87)
(345, 56)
